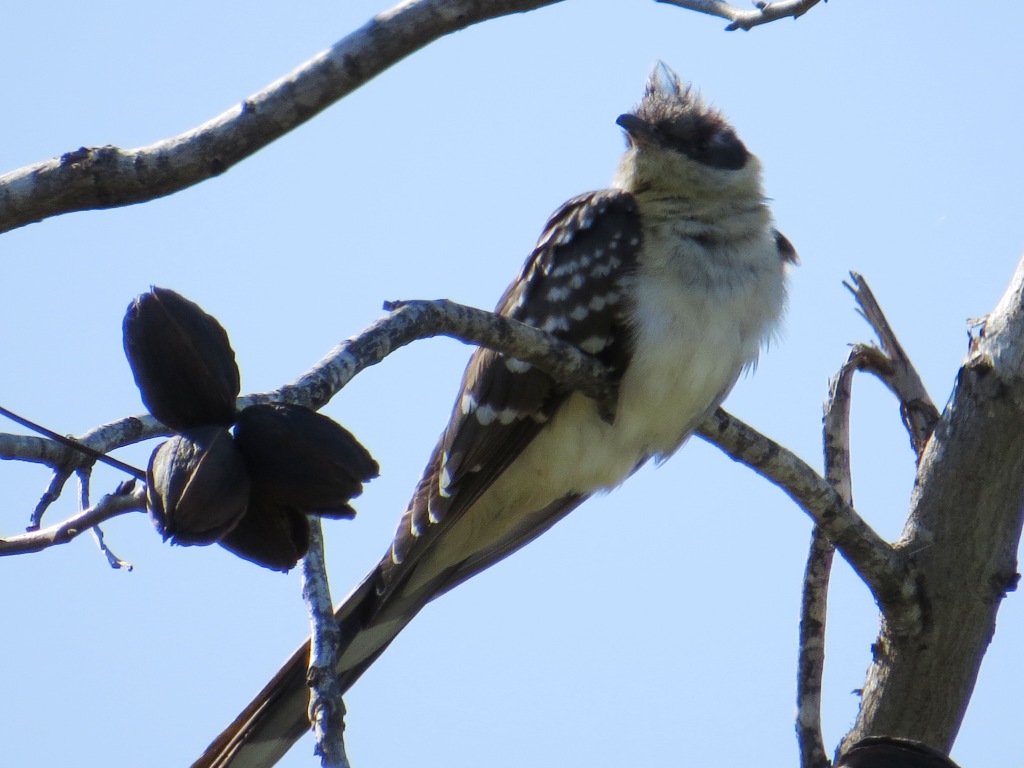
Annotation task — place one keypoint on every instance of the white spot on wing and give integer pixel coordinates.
(507, 415)
(557, 293)
(485, 414)
(467, 405)
(554, 323)
(565, 269)
(515, 365)
(593, 344)
(444, 480)
(432, 514)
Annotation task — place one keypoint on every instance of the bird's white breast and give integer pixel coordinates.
(695, 330)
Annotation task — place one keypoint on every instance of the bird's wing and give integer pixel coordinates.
(570, 286)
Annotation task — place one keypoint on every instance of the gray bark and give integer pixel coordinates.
(961, 539)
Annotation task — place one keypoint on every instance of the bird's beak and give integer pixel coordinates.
(638, 130)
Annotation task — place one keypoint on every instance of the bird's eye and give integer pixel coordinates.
(723, 149)
(712, 144)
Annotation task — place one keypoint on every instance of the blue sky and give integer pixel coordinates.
(657, 625)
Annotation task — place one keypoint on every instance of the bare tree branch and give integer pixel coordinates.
(37, 450)
(895, 369)
(126, 499)
(884, 569)
(73, 444)
(811, 658)
(892, 365)
(962, 535)
(113, 560)
(326, 707)
(109, 177)
(818, 571)
(746, 20)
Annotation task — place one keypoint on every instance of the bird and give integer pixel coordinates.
(674, 277)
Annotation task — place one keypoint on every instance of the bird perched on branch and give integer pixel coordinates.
(674, 277)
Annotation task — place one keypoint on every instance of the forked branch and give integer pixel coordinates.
(884, 569)
(893, 367)
(128, 498)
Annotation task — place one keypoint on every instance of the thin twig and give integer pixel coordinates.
(113, 560)
(884, 569)
(51, 494)
(84, 475)
(744, 19)
(836, 430)
(126, 499)
(916, 408)
(326, 707)
(75, 445)
(84, 481)
(814, 601)
(109, 177)
(811, 661)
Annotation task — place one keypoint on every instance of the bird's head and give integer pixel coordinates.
(678, 145)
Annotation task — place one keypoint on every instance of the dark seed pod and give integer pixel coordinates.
(181, 359)
(301, 459)
(197, 486)
(270, 534)
(888, 752)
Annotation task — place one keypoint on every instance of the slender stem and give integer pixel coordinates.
(894, 367)
(326, 707)
(92, 453)
(128, 498)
